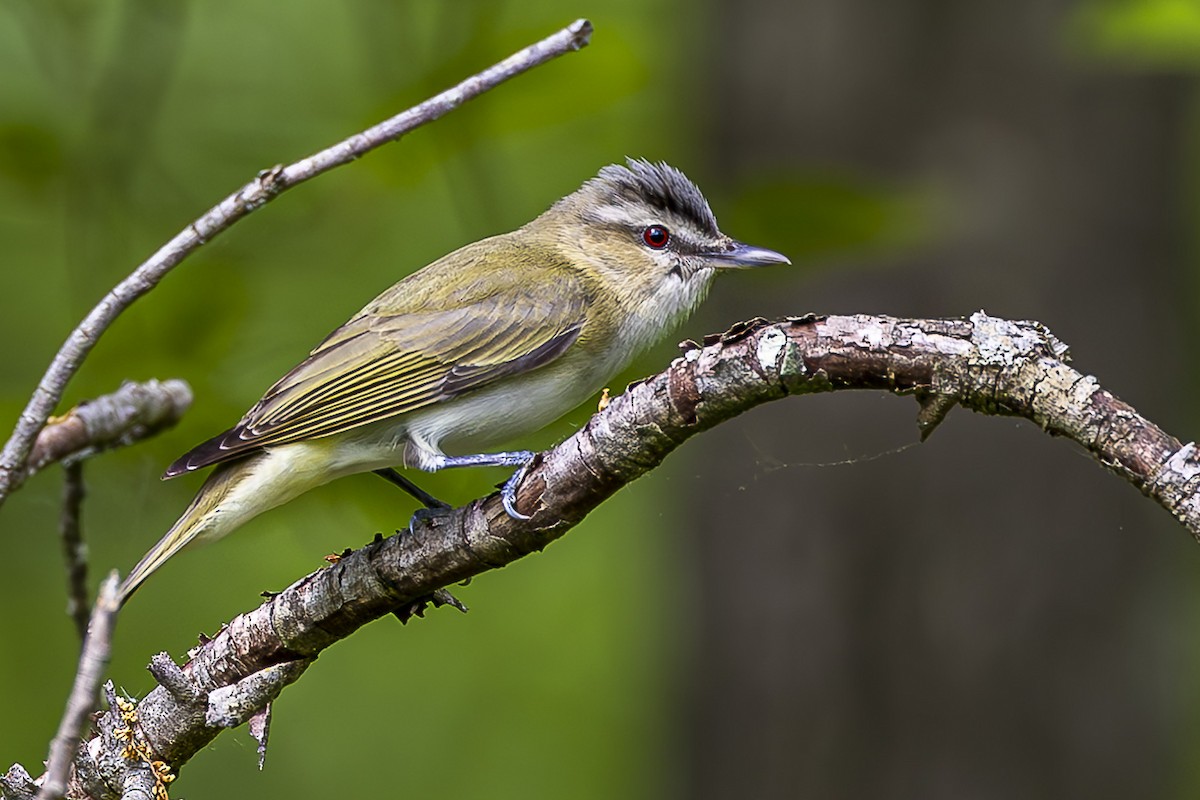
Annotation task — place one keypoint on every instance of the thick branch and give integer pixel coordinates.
(265, 187)
(989, 365)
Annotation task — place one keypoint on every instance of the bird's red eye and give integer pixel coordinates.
(656, 236)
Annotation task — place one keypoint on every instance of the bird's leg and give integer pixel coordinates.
(429, 501)
(508, 494)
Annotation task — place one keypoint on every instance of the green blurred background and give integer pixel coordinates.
(799, 603)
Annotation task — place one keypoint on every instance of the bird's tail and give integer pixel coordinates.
(206, 518)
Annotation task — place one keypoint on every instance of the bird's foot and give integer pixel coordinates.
(425, 515)
(522, 459)
(508, 494)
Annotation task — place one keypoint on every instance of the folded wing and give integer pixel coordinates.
(383, 363)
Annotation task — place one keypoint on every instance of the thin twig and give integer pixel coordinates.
(134, 412)
(93, 661)
(268, 184)
(74, 550)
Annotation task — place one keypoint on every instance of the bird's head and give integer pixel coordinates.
(647, 222)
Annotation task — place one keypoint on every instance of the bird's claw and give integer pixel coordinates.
(423, 515)
(508, 494)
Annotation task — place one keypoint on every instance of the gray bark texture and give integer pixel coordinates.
(983, 363)
(976, 617)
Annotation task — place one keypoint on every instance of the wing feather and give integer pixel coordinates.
(395, 357)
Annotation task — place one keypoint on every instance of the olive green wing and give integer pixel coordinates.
(380, 364)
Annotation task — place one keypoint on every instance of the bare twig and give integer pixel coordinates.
(172, 678)
(260, 729)
(84, 693)
(133, 412)
(989, 365)
(268, 184)
(74, 550)
(230, 706)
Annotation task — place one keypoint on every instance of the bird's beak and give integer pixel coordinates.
(737, 255)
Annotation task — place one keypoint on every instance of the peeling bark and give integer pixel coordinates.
(989, 365)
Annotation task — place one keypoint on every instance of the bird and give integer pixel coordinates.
(493, 341)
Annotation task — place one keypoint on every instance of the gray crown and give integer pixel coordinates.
(660, 185)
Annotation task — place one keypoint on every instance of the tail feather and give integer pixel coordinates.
(178, 537)
(203, 519)
(238, 491)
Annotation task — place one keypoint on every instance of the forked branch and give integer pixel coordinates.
(112, 422)
(989, 365)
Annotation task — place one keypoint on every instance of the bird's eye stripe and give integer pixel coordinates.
(656, 236)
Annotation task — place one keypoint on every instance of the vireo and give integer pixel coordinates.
(492, 341)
